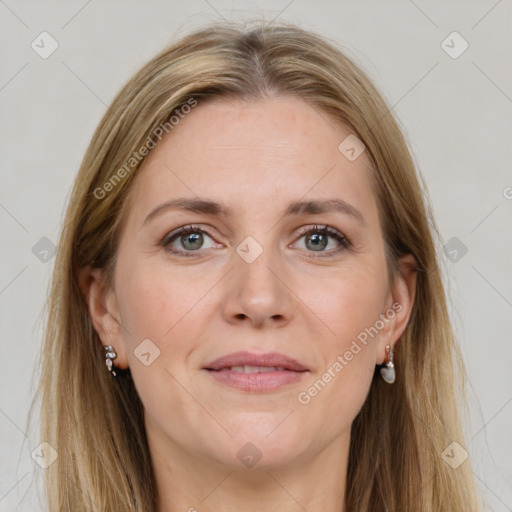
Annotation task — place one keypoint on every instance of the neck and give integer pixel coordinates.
(198, 484)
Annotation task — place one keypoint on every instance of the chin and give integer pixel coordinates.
(261, 448)
(248, 455)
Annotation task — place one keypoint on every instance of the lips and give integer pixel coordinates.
(256, 373)
(247, 362)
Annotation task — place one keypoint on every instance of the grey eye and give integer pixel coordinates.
(192, 241)
(316, 241)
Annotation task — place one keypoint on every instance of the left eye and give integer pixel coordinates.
(316, 239)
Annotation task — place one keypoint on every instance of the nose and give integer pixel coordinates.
(258, 293)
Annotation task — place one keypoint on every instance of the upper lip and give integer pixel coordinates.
(249, 359)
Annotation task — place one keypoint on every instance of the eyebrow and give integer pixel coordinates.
(210, 207)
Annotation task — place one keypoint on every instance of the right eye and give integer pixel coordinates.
(189, 238)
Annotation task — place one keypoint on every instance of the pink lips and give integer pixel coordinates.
(246, 358)
(285, 370)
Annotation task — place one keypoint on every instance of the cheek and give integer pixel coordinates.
(331, 400)
(349, 305)
(153, 302)
(158, 307)
(338, 388)
(172, 310)
(346, 302)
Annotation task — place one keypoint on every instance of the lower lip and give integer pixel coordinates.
(267, 381)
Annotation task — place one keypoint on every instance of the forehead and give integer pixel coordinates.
(265, 152)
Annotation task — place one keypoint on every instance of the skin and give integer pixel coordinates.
(255, 158)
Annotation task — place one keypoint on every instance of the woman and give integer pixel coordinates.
(247, 312)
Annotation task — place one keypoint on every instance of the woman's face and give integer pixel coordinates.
(256, 273)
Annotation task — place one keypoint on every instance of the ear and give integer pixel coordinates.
(104, 312)
(399, 303)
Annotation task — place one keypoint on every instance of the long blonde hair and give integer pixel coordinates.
(95, 423)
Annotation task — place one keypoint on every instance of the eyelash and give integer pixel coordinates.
(326, 230)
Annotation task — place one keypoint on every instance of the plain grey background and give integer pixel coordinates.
(454, 104)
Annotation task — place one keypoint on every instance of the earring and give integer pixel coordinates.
(110, 355)
(388, 369)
